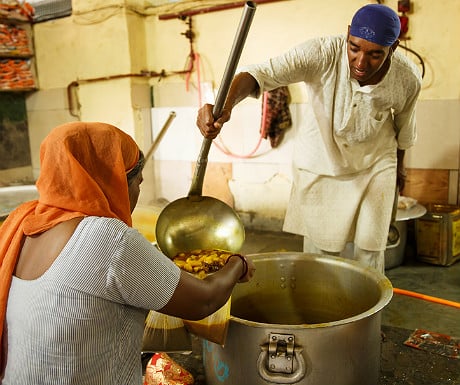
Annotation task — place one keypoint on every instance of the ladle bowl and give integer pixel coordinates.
(203, 222)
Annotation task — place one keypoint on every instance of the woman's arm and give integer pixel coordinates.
(196, 298)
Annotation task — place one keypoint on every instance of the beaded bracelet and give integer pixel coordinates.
(245, 264)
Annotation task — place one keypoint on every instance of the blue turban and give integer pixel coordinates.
(376, 23)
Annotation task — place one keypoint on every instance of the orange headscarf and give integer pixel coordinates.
(83, 169)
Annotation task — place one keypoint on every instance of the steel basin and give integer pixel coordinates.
(303, 319)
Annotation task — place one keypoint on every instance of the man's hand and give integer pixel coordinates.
(400, 170)
(401, 178)
(242, 86)
(209, 127)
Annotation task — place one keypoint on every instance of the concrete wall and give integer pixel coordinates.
(109, 39)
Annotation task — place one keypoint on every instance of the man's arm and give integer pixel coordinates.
(242, 86)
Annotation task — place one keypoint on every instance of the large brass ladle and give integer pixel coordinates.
(203, 222)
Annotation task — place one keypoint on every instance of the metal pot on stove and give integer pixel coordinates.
(303, 319)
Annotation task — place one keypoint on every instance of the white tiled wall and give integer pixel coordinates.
(261, 184)
(438, 142)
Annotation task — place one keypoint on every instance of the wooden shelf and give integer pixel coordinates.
(17, 65)
(18, 90)
(17, 74)
(16, 40)
(10, 20)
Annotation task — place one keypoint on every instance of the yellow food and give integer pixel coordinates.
(201, 262)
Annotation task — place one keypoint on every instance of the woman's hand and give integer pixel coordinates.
(248, 268)
(249, 273)
(196, 298)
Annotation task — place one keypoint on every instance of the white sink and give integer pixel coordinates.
(12, 196)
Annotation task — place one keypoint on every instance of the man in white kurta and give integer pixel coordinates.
(345, 151)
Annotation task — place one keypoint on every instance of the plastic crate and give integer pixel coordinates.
(438, 235)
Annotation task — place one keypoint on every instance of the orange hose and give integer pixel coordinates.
(426, 297)
(198, 80)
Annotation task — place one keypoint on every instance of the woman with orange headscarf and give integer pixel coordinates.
(77, 280)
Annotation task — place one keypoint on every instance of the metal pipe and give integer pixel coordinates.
(157, 141)
(146, 74)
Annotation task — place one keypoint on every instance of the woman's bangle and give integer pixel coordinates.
(245, 264)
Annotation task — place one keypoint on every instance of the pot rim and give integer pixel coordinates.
(384, 284)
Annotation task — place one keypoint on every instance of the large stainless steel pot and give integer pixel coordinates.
(303, 319)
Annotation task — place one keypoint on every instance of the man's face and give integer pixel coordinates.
(366, 60)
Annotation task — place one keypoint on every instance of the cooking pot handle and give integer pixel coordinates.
(279, 378)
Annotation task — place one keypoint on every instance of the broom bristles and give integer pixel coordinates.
(156, 320)
(214, 327)
(164, 333)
